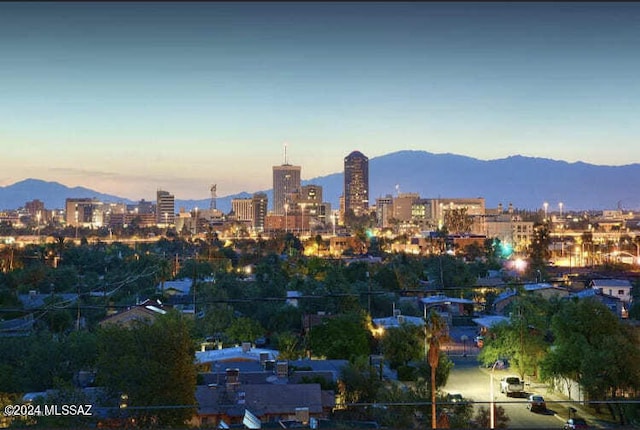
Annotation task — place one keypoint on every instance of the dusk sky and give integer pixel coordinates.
(126, 98)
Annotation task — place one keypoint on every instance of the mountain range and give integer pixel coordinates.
(526, 182)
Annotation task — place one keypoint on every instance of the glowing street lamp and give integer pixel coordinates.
(492, 412)
(196, 226)
(38, 215)
(520, 265)
(76, 222)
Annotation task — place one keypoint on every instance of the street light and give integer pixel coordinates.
(492, 412)
(76, 222)
(38, 226)
(196, 226)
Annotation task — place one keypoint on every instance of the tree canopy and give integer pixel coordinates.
(153, 365)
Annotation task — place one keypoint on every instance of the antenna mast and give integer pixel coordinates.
(285, 154)
(212, 205)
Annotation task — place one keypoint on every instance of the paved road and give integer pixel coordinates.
(474, 383)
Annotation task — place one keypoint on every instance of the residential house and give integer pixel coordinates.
(487, 322)
(35, 300)
(270, 391)
(620, 288)
(268, 402)
(614, 304)
(17, 326)
(146, 311)
(547, 291)
(236, 354)
(396, 320)
(179, 287)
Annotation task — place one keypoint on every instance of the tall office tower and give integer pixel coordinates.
(356, 183)
(165, 207)
(259, 207)
(286, 183)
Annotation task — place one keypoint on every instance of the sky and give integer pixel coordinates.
(127, 98)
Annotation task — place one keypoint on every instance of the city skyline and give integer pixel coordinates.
(129, 98)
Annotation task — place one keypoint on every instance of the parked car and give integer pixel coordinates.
(575, 424)
(454, 397)
(536, 403)
(511, 386)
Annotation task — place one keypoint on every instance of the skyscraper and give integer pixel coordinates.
(259, 207)
(165, 207)
(286, 183)
(356, 183)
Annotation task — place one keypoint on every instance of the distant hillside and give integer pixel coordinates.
(524, 181)
(52, 194)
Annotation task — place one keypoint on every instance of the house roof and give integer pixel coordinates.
(320, 365)
(440, 299)
(260, 399)
(395, 321)
(36, 300)
(180, 286)
(489, 282)
(537, 287)
(147, 310)
(593, 292)
(235, 353)
(489, 321)
(615, 283)
(17, 326)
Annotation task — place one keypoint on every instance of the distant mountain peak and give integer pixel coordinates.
(525, 181)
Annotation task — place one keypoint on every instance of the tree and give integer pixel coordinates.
(402, 344)
(343, 337)
(539, 251)
(244, 329)
(153, 365)
(522, 338)
(288, 346)
(359, 382)
(483, 418)
(592, 347)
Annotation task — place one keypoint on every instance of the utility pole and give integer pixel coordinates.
(369, 295)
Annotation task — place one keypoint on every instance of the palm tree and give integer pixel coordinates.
(435, 334)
